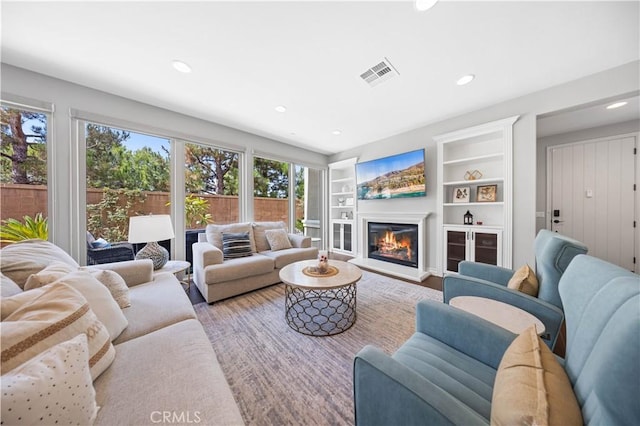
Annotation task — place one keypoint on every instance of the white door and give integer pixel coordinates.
(591, 196)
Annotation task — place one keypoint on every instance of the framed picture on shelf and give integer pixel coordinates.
(461, 194)
(487, 193)
(344, 215)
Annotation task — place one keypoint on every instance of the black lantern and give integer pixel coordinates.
(468, 218)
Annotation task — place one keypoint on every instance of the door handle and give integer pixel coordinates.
(558, 221)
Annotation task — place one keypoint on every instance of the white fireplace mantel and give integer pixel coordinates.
(414, 274)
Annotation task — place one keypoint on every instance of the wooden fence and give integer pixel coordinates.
(17, 201)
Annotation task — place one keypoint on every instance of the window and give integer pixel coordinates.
(128, 174)
(270, 190)
(211, 186)
(23, 171)
(309, 202)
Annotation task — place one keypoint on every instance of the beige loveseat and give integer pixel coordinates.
(218, 278)
(164, 370)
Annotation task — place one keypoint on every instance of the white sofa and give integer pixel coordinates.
(165, 369)
(218, 278)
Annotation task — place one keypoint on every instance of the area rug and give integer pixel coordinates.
(281, 377)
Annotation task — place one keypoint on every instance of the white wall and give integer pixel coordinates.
(626, 127)
(618, 81)
(66, 96)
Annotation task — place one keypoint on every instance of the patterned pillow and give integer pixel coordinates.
(60, 313)
(115, 284)
(53, 387)
(214, 233)
(236, 245)
(278, 239)
(259, 230)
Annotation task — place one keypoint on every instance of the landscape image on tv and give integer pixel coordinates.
(398, 176)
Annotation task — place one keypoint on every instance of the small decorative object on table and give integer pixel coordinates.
(472, 175)
(468, 218)
(323, 262)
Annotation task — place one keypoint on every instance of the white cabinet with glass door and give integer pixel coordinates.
(342, 206)
(473, 243)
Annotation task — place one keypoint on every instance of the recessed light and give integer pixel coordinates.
(337, 132)
(617, 105)
(281, 108)
(465, 79)
(181, 66)
(423, 5)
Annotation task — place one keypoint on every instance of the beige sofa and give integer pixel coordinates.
(218, 278)
(165, 369)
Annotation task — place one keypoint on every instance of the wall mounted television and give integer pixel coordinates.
(397, 176)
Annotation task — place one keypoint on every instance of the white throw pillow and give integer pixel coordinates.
(51, 273)
(54, 387)
(58, 314)
(9, 288)
(100, 300)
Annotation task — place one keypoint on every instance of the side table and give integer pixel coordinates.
(177, 268)
(501, 314)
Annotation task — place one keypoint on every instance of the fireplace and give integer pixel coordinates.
(393, 242)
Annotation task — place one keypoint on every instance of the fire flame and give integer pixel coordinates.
(391, 246)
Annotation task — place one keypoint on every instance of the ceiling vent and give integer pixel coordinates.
(379, 73)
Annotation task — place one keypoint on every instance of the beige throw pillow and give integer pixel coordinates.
(60, 313)
(259, 233)
(525, 281)
(21, 259)
(531, 387)
(51, 273)
(54, 387)
(278, 239)
(116, 286)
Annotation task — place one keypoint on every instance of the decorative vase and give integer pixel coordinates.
(154, 251)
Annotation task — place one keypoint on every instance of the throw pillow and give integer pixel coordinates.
(9, 288)
(236, 245)
(259, 229)
(9, 305)
(57, 315)
(54, 387)
(525, 281)
(51, 273)
(278, 239)
(116, 286)
(21, 259)
(531, 387)
(100, 243)
(214, 233)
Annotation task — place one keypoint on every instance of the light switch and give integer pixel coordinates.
(588, 193)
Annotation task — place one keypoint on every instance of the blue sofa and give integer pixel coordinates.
(444, 374)
(553, 254)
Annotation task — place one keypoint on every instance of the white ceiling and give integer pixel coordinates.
(248, 57)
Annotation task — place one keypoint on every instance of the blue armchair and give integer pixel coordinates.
(553, 254)
(445, 373)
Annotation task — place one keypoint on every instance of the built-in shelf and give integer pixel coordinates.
(487, 149)
(341, 180)
(475, 159)
(342, 187)
(474, 182)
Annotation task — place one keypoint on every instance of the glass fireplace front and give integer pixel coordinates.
(393, 242)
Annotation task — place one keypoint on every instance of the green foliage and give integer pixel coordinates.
(210, 170)
(109, 218)
(110, 164)
(196, 210)
(23, 156)
(270, 178)
(13, 230)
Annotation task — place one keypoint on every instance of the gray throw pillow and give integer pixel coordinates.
(235, 245)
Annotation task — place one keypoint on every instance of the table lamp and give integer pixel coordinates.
(151, 229)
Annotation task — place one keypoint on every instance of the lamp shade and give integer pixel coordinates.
(144, 229)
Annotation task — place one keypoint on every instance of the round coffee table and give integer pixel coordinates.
(320, 305)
